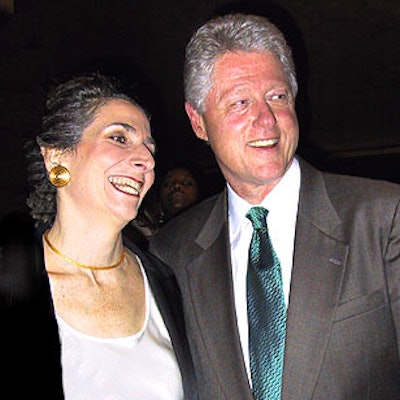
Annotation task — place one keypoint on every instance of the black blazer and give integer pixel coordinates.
(343, 326)
(29, 340)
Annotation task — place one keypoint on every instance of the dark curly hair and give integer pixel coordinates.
(70, 107)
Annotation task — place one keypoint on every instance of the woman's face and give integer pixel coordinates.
(112, 167)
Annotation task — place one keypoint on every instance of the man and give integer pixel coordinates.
(337, 238)
(179, 190)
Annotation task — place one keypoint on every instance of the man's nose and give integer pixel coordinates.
(266, 114)
(176, 185)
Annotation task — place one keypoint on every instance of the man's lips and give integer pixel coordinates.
(263, 143)
(176, 193)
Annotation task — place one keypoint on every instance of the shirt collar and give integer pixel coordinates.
(283, 197)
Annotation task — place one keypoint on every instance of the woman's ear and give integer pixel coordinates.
(197, 122)
(51, 157)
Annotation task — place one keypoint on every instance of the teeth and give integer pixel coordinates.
(125, 184)
(264, 143)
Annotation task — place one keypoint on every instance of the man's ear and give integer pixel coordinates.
(197, 122)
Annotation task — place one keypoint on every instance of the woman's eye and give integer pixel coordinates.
(118, 138)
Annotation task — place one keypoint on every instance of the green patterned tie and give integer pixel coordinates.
(266, 311)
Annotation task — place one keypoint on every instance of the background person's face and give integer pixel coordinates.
(178, 191)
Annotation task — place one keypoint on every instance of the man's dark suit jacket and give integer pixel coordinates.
(29, 340)
(343, 326)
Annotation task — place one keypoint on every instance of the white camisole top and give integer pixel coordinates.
(138, 367)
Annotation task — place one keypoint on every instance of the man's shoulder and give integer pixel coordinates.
(359, 186)
(341, 184)
(189, 223)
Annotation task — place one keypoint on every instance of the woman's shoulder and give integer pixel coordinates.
(20, 258)
(16, 225)
(151, 264)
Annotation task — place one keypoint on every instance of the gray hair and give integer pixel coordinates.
(229, 33)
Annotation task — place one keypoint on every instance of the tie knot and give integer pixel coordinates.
(258, 217)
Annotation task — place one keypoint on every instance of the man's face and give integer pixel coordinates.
(250, 122)
(178, 191)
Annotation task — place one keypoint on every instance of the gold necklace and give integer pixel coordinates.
(71, 261)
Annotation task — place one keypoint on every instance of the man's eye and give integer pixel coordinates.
(187, 183)
(241, 102)
(278, 99)
(152, 148)
(238, 104)
(167, 183)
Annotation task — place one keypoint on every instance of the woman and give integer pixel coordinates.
(88, 315)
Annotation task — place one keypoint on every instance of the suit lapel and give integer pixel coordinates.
(319, 261)
(215, 308)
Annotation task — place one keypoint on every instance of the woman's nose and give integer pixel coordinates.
(143, 158)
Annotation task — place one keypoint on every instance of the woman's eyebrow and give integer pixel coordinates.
(123, 125)
(130, 128)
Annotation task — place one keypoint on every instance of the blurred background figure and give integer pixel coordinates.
(179, 187)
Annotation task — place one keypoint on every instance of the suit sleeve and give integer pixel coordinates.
(392, 262)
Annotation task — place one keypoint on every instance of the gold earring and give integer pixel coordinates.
(59, 176)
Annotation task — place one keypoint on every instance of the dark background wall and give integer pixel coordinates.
(347, 53)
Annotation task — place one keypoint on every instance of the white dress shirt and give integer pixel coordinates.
(282, 204)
